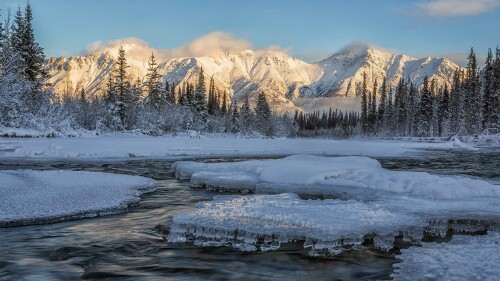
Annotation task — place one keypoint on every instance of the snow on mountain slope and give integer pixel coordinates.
(343, 72)
(288, 82)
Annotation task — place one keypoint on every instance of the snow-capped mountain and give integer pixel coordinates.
(343, 71)
(288, 82)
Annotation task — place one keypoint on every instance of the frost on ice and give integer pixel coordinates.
(28, 196)
(463, 258)
(266, 221)
(378, 205)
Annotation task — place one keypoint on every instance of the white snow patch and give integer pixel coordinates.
(463, 258)
(29, 196)
(306, 174)
(129, 145)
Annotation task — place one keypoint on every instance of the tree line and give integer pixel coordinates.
(470, 106)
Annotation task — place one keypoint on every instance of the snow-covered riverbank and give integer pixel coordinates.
(133, 146)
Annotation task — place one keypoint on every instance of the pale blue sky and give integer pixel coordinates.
(309, 29)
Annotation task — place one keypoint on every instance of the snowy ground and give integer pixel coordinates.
(463, 258)
(28, 196)
(380, 202)
(130, 145)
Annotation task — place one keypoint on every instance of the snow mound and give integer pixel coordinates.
(33, 197)
(305, 174)
(463, 258)
(458, 144)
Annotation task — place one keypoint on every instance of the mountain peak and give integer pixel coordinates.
(288, 82)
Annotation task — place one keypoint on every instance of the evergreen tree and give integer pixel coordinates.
(110, 96)
(455, 105)
(212, 99)
(235, 126)
(400, 101)
(246, 116)
(425, 109)
(199, 101)
(388, 114)
(84, 107)
(473, 112)
(3, 39)
(411, 110)
(263, 116)
(170, 90)
(155, 97)
(382, 104)
(495, 99)
(121, 86)
(23, 40)
(224, 104)
(443, 112)
(488, 91)
(17, 35)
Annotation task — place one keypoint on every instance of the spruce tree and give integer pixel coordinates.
(235, 126)
(455, 102)
(488, 91)
(110, 96)
(153, 87)
(400, 101)
(472, 101)
(17, 34)
(35, 58)
(382, 104)
(121, 86)
(263, 116)
(224, 104)
(32, 56)
(199, 100)
(212, 100)
(388, 113)
(425, 109)
(495, 99)
(246, 116)
(443, 112)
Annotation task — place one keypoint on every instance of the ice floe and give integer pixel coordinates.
(306, 174)
(28, 196)
(377, 205)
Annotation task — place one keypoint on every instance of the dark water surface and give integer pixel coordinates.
(131, 246)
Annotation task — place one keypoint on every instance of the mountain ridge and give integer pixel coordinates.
(288, 82)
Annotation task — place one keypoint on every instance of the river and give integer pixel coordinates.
(131, 245)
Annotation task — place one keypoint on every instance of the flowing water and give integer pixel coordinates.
(131, 245)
